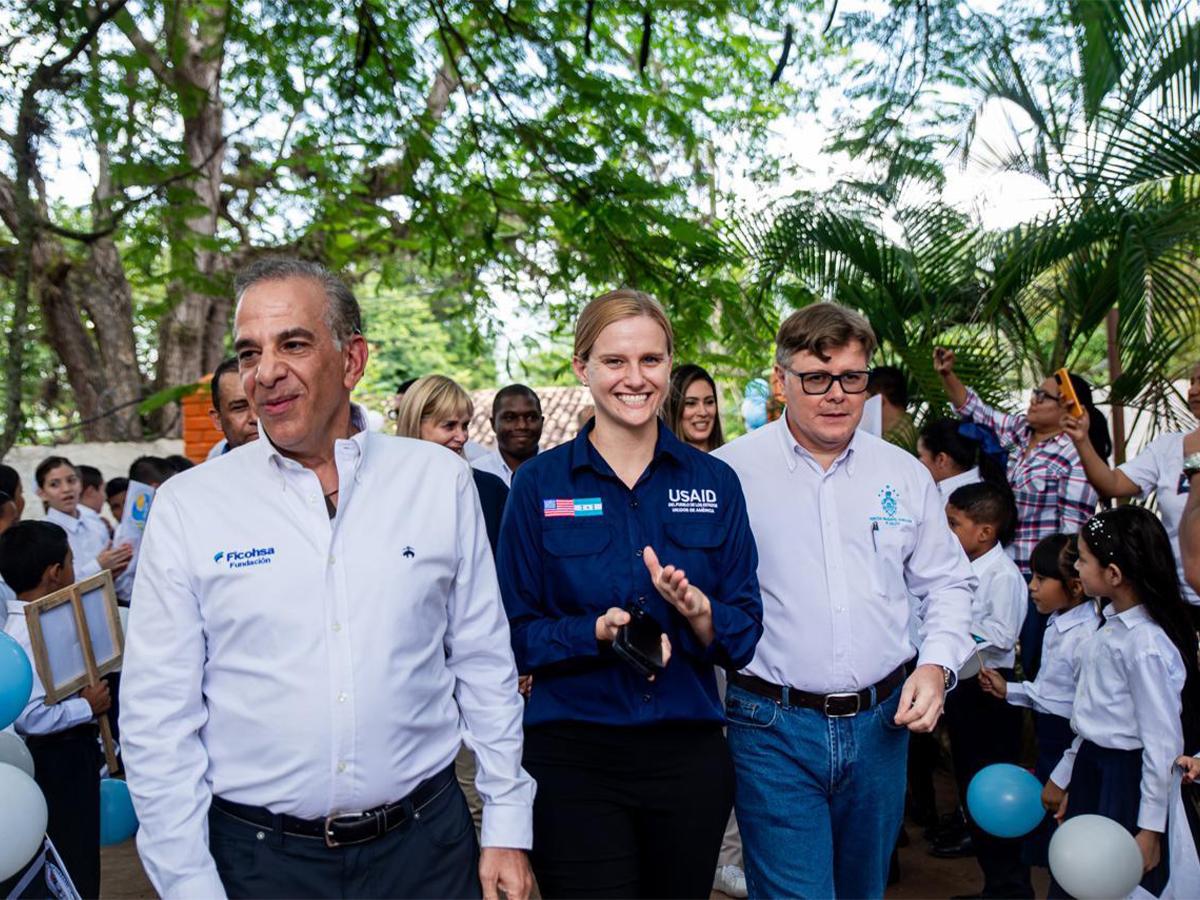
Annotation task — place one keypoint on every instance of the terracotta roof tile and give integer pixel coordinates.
(561, 407)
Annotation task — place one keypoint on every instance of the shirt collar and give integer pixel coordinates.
(67, 523)
(666, 445)
(357, 441)
(1076, 615)
(1131, 618)
(15, 607)
(793, 452)
(971, 476)
(988, 560)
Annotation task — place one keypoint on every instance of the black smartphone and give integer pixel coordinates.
(639, 643)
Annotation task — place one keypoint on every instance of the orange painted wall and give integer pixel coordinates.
(199, 433)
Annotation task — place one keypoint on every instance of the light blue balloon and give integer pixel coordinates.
(118, 821)
(1005, 800)
(16, 680)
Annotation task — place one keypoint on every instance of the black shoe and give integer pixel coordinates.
(953, 849)
(951, 823)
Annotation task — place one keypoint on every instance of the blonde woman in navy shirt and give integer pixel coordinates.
(635, 782)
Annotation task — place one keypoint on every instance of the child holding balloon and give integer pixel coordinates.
(1056, 592)
(35, 560)
(1138, 696)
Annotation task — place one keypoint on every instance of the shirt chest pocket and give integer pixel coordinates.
(695, 547)
(579, 566)
(885, 565)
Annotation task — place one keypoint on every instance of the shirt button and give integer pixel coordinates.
(342, 697)
(645, 698)
(634, 503)
(637, 552)
(312, 498)
(337, 626)
(332, 559)
(341, 767)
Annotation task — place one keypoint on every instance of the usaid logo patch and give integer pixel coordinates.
(240, 559)
(681, 500)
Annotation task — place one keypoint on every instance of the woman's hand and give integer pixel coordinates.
(1076, 427)
(610, 623)
(1150, 843)
(993, 683)
(1190, 766)
(691, 602)
(943, 361)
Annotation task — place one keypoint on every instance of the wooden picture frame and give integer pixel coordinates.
(76, 638)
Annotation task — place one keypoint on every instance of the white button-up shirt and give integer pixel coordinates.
(314, 666)
(1158, 469)
(88, 536)
(948, 486)
(839, 552)
(1053, 690)
(1128, 697)
(998, 607)
(37, 717)
(494, 464)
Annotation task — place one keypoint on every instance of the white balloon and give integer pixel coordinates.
(971, 667)
(14, 752)
(1095, 858)
(22, 819)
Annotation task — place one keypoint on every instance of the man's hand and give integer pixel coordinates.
(922, 698)
(1190, 766)
(1150, 843)
(115, 558)
(501, 869)
(993, 683)
(98, 697)
(674, 587)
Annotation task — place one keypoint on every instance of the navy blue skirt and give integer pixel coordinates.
(1054, 736)
(1108, 783)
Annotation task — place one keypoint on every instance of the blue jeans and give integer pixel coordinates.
(819, 800)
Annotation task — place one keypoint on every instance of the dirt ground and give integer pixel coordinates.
(921, 875)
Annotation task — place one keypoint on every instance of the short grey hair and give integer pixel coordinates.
(342, 313)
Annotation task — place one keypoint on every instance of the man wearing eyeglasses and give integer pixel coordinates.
(847, 527)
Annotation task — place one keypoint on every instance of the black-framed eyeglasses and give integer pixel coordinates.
(1040, 396)
(822, 382)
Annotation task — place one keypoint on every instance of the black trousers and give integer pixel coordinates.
(985, 730)
(66, 766)
(628, 811)
(433, 855)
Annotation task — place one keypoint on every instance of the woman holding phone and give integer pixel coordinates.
(1047, 477)
(627, 568)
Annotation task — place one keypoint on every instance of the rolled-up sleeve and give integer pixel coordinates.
(1008, 427)
(938, 574)
(538, 639)
(162, 712)
(480, 656)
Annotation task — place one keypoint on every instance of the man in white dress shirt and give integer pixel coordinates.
(316, 628)
(847, 527)
(517, 421)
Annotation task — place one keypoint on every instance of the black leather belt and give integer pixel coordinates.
(349, 828)
(835, 706)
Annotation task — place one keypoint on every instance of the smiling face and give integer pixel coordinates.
(60, 489)
(1045, 409)
(449, 431)
(823, 423)
(295, 374)
(699, 413)
(518, 426)
(627, 371)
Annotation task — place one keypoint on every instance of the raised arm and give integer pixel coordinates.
(1108, 482)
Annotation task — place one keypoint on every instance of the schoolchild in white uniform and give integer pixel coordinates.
(1058, 593)
(59, 487)
(1139, 689)
(983, 729)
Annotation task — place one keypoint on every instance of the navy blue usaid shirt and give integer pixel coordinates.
(571, 548)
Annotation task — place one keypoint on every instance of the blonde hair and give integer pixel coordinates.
(431, 397)
(613, 307)
(821, 327)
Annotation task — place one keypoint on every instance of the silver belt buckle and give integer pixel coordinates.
(843, 715)
(332, 843)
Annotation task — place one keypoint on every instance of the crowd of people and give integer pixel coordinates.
(644, 663)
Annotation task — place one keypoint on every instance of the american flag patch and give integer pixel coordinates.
(570, 509)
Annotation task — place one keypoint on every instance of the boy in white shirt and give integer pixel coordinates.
(984, 729)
